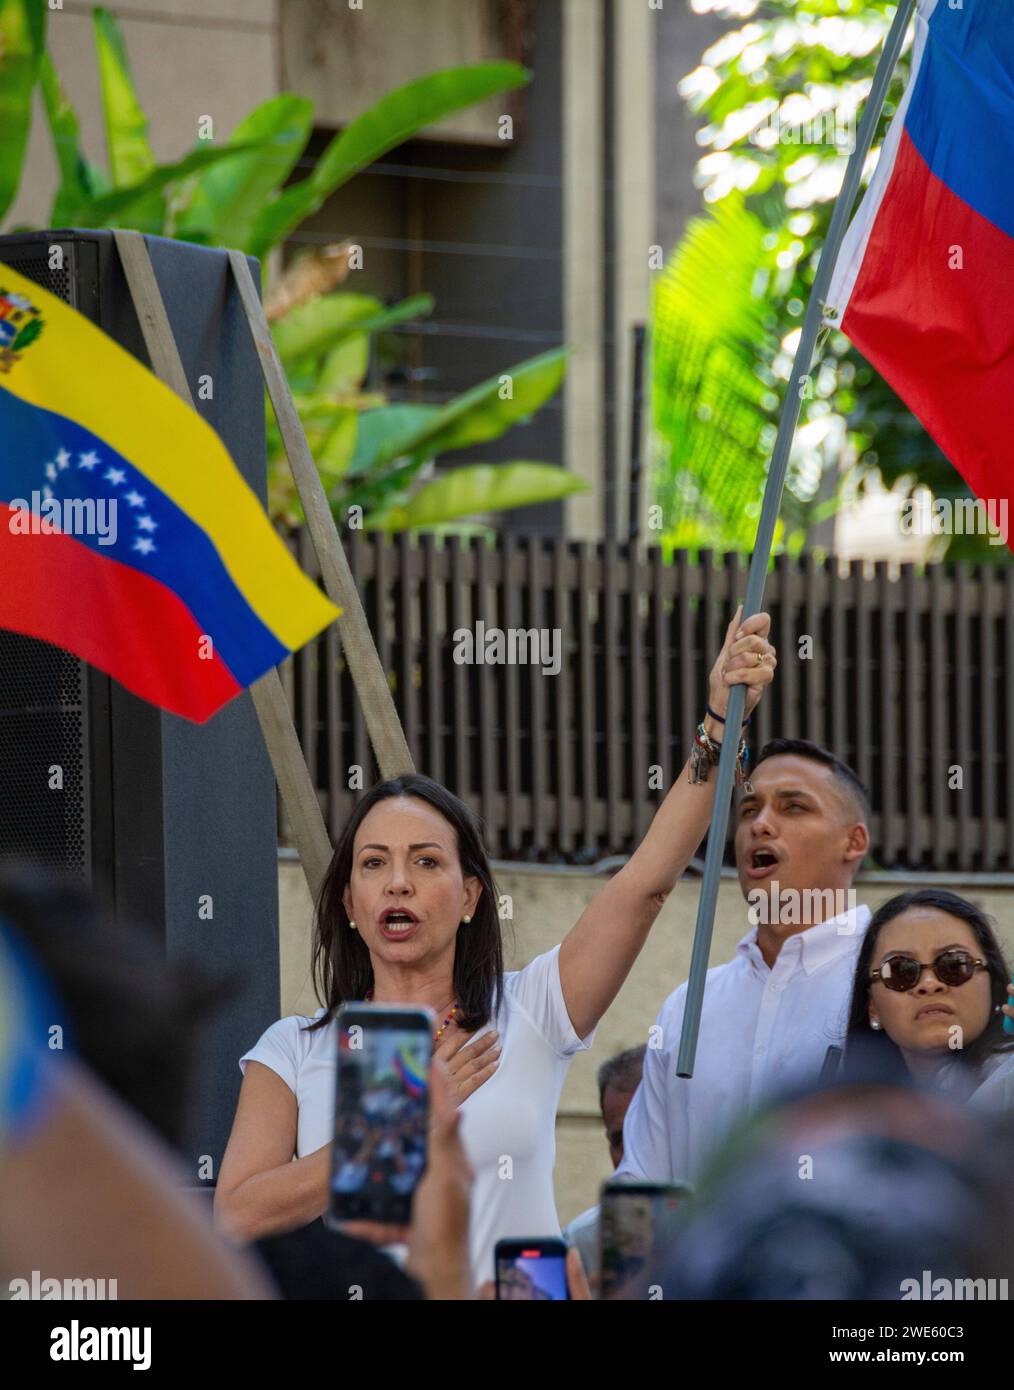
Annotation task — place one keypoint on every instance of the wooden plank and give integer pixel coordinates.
(368, 674)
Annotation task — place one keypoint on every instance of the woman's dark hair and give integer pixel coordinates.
(342, 969)
(873, 1052)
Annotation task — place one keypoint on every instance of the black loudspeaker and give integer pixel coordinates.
(156, 814)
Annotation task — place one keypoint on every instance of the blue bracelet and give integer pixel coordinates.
(709, 710)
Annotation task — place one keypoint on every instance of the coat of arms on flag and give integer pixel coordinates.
(20, 324)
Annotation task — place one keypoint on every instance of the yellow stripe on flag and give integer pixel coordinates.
(76, 370)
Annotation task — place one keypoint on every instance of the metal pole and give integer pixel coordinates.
(766, 529)
(636, 416)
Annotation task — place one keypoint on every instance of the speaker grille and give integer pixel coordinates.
(42, 766)
(44, 785)
(33, 263)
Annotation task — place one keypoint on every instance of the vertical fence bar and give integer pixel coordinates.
(687, 650)
(887, 709)
(564, 705)
(839, 683)
(538, 679)
(788, 671)
(663, 683)
(987, 716)
(638, 700)
(509, 606)
(585, 639)
(938, 716)
(914, 717)
(460, 711)
(613, 727)
(431, 612)
(864, 709)
(408, 635)
(961, 667)
(816, 665)
(488, 560)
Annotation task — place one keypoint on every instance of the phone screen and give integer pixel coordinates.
(636, 1223)
(381, 1113)
(531, 1272)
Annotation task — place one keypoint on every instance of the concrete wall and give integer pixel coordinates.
(189, 58)
(546, 905)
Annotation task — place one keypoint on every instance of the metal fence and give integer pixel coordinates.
(902, 672)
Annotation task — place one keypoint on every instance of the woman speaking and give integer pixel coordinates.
(407, 915)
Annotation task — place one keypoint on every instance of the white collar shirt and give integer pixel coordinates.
(763, 1030)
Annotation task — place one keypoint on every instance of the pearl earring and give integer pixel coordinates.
(352, 925)
(466, 919)
(874, 1023)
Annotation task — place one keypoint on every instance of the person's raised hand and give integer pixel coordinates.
(747, 658)
(469, 1061)
(438, 1237)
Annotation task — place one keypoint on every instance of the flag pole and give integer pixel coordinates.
(766, 528)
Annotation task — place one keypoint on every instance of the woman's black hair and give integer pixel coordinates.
(871, 1052)
(342, 970)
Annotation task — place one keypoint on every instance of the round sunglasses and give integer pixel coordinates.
(903, 972)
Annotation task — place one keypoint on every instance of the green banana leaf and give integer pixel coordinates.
(311, 329)
(22, 42)
(227, 199)
(119, 206)
(475, 417)
(711, 407)
(131, 158)
(479, 488)
(396, 117)
(80, 182)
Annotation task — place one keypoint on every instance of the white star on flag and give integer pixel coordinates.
(88, 460)
(51, 472)
(62, 458)
(146, 523)
(47, 492)
(116, 476)
(134, 498)
(144, 545)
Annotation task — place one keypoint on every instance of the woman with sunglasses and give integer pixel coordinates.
(929, 998)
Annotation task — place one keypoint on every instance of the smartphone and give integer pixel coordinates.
(532, 1269)
(636, 1224)
(381, 1118)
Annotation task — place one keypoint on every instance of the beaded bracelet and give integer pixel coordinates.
(705, 755)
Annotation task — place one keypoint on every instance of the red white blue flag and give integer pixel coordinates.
(924, 284)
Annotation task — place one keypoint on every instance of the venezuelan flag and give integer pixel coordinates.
(410, 1071)
(127, 534)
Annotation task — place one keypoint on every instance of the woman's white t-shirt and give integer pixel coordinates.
(508, 1126)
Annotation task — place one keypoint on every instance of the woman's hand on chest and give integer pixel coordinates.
(470, 1060)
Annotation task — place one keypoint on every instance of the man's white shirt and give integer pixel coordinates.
(763, 1030)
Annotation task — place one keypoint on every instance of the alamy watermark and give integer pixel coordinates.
(959, 516)
(773, 905)
(945, 1289)
(513, 646)
(71, 516)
